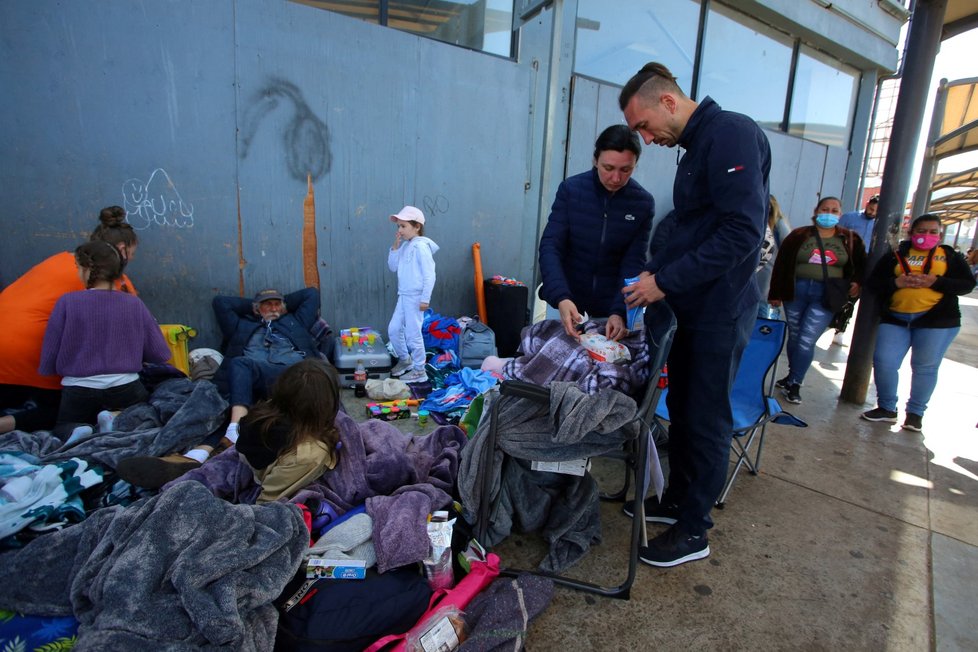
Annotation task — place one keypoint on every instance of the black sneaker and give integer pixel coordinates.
(879, 414)
(913, 422)
(655, 512)
(783, 383)
(674, 547)
(793, 393)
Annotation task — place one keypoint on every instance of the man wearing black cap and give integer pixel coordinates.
(262, 337)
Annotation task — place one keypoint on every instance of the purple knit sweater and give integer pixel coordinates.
(94, 332)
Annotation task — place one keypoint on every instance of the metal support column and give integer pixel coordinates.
(921, 198)
(923, 39)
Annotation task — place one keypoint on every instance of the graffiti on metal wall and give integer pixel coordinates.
(156, 201)
(435, 205)
(306, 137)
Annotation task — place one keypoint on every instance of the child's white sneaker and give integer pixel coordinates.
(415, 376)
(403, 365)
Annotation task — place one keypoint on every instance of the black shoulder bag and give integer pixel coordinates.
(836, 290)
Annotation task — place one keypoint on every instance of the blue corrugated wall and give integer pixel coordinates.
(205, 119)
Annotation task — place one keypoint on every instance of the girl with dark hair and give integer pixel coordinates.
(29, 398)
(291, 439)
(810, 259)
(918, 285)
(114, 229)
(97, 340)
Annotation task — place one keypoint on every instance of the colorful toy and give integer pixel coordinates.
(391, 410)
(361, 344)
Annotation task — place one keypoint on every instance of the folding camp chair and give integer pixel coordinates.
(660, 324)
(751, 399)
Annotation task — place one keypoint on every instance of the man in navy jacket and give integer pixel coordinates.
(262, 338)
(597, 235)
(705, 271)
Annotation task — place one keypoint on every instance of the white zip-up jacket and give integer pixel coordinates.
(415, 266)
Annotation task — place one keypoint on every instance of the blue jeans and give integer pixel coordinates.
(703, 362)
(807, 319)
(250, 380)
(892, 344)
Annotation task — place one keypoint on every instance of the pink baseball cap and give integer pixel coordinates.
(409, 214)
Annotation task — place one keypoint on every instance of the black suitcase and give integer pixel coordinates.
(507, 312)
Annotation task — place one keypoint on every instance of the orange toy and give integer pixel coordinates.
(480, 295)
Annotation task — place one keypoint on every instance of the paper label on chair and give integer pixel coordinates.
(569, 467)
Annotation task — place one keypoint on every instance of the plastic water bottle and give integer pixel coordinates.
(360, 380)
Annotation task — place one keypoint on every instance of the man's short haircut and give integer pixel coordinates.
(620, 139)
(652, 79)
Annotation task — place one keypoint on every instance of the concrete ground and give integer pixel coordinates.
(855, 535)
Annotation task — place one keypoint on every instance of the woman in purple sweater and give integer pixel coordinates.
(97, 340)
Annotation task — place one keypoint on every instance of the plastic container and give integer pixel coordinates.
(360, 380)
(177, 336)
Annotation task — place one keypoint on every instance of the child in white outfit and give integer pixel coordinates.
(412, 257)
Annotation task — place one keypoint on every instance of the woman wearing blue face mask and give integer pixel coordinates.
(919, 284)
(809, 259)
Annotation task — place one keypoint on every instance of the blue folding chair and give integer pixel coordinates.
(751, 399)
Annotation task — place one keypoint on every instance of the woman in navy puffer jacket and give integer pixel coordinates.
(597, 235)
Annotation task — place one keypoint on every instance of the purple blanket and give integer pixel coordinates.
(549, 355)
(401, 478)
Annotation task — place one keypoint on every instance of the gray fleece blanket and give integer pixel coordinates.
(179, 414)
(182, 570)
(401, 478)
(563, 507)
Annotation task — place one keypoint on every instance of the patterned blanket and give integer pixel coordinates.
(549, 355)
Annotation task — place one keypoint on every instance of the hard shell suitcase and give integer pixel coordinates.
(506, 306)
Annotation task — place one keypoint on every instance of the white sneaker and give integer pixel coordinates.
(415, 376)
(837, 339)
(403, 365)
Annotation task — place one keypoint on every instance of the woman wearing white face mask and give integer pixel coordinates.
(811, 259)
(919, 284)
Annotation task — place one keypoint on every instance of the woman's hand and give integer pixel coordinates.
(615, 328)
(424, 306)
(925, 280)
(397, 240)
(854, 290)
(569, 317)
(915, 280)
(774, 303)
